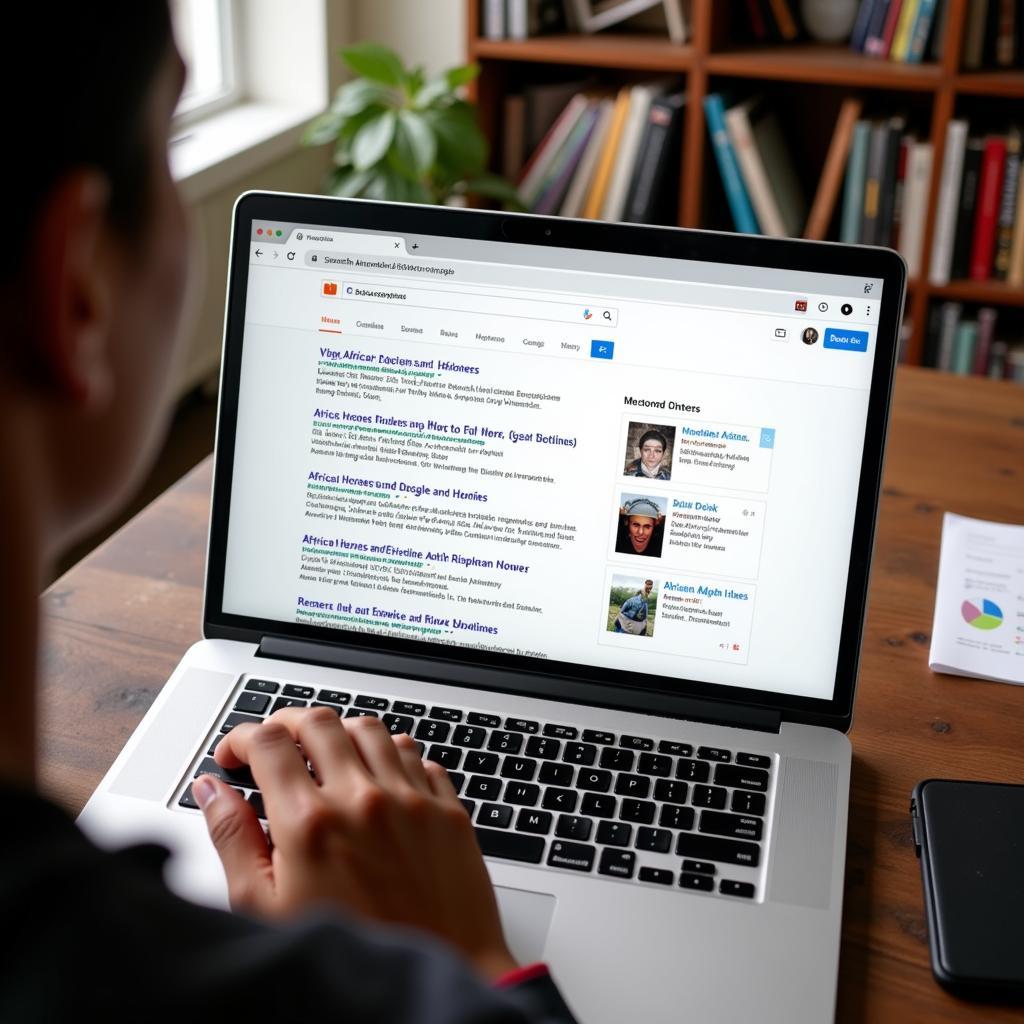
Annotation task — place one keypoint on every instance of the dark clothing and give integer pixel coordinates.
(92, 935)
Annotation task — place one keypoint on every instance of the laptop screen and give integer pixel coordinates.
(625, 462)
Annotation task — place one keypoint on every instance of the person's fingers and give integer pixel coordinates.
(409, 754)
(325, 743)
(440, 785)
(239, 841)
(378, 750)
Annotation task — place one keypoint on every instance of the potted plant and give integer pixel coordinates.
(398, 135)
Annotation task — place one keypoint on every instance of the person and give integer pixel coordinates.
(653, 445)
(641, 528)
(632, 617)
(373, 903)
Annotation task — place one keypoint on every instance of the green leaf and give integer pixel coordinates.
(372, 140)
(355, 96)
(418, 141)
(323, 129)
(375, 62)
(347, 181)
(455, 77)
(492, 186)
(435, 89)
(461, 147)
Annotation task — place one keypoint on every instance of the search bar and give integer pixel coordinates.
(475, 302)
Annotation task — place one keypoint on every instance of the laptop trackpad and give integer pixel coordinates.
(527, 918)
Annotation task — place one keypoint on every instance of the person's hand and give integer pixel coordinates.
(377, 831)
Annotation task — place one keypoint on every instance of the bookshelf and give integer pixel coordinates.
(808, 73)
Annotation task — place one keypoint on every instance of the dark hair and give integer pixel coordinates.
(83, 107)
(653, 435)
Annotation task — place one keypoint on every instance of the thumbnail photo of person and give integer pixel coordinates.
(649, 451)
(641, 528)
(631, 606)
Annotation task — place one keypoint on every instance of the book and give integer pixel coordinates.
(901, 40)
(873, 183)
(653, 193)
(965, 212)
(875, 37)
(525, 18)
(594, 202)
(732, 180)
(853, 190)
(542, 158)
(556, 181)
(892, 17)
(1007, 205)
(896, 217)
(974, 34)
(494, 19)
(577, 191)
(543, 104)
(921, 31)
(1015, 274)
(738, 124)
(986, 335)
(887, 186)
(832, 173)
(986, 216)
(915, 205)
(1006, 34)
(860, 26)
(948, 201)
(938, 34)
(950, 320)
(964, 342)
(784, 19)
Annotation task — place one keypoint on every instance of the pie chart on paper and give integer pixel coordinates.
(988, 616)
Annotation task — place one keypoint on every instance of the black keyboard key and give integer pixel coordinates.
(618, 863)
(580, 753)
(735, 826)
(302, 692)
(744, 889)
(655, 764)
(373, 703)
(572, 827)
(709, 796)
(673, 816)
(537, 822)
(561, 732)
(480, 763)
(574, 856)
(189, 801)
(361, 713)
(521, 725)
(714, 754)
(702, 883)
(236, 718)
(675, 748)
(596, 736)
(657, 875)
(617, 760)
(448, 756)
(256, 801)
(556, 799)
(404, 707)
(521, 768)
(556, 774)
(495, 816)
(595, 780)
(469, 736)
(654, 840)
(522, 794)
(614, 833)
(702, 867)
(738, 777)
(232, 776)
(693, 771)
(479, 718)
(339, 711)
(543, 747)
(458, 780)
(468, 805)
(213, 745)
(431, 732)
(505, 742)
(636, 786)
(754, 760)
(597, 805)
(263, 686)
(446, 714)
(333, 697)
(397, 724)
(636, 743)
(670, 791)
(482, 787)
(725, 851)
(252, 703)
(747, 803)
(640, 811)
(510, 845)
(287, 702)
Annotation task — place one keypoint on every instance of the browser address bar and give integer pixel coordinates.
(476, 302)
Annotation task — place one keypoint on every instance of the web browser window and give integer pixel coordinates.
(604, 459)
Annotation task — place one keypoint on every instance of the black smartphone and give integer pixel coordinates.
(970, 839)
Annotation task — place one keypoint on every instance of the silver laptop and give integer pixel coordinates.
(588, 510)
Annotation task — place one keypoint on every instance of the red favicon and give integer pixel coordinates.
(330, 287)
(800, 305)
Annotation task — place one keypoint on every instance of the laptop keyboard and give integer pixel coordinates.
(639, 808)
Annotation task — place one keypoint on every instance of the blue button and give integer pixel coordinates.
(602, 349)
(844, 340)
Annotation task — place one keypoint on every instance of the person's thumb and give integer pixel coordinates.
(239, 841)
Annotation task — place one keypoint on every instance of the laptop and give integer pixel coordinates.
(588, 510)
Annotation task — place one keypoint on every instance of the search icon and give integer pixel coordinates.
(607, 314)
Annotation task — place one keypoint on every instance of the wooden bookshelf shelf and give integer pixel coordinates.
(992, 83)
(989, 293)
(632, 52)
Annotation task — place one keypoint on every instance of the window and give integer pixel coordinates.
(207, 38)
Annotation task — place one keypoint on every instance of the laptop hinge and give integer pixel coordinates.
(531, 684)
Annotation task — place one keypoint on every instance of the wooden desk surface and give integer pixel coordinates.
(118, 622)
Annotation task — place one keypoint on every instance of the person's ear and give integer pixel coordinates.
(69, 288)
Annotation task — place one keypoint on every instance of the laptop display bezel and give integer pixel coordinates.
(611, 687)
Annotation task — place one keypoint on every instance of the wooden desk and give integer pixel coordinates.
(118, 622)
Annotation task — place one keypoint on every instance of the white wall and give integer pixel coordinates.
(427, 32)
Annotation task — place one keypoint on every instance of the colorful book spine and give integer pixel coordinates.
(901, 40)
(964, 344)
(1007, 206)
(986, 336)
(853, 191)
(986, 220)
(966, 209)
(949, 199)
(921, 31)
(735, 192)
